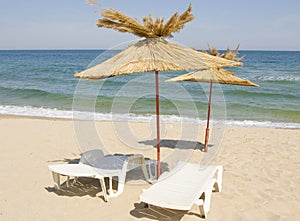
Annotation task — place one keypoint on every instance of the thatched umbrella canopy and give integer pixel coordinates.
(214, 75)
(152, 54)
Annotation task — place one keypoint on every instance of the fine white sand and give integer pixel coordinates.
(261, 179)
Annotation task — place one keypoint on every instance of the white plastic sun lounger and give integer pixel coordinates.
(94, 164)
(185, 186)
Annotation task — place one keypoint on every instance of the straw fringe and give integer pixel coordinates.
(232, 55)
(93, 3)
(216, 61)
(150, 28)
(121, 22)
(229, 54)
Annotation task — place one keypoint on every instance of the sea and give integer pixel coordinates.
(41, 83)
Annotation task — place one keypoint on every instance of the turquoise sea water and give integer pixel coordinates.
(41, 83)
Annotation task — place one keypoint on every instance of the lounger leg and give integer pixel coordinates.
(147, 177)
(204, 203)
(120, 186)
(111, 191)
(144, 169)
(103, 187)
(56, 179)
(207, 200)
(68, 181)
(74, 181)
(149, 165)
(218, 184)
(201, 208)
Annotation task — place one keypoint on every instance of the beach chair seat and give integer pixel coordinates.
(93, 164)
(187, 184)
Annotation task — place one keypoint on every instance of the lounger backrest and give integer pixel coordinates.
(96, 158)
(90, 157)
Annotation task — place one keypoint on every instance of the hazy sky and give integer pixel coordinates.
(71, 24)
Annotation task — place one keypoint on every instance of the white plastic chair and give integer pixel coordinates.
(187, 184)
(94, 164)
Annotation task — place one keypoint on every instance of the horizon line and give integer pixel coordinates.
(103, 49)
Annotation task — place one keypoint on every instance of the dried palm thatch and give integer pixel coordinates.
(150, 54)
(229, 54)
(151, 28)
(211, 51)
(214, 75)
(216, 61)
(93, 3)
(154, 54)
(232, 55)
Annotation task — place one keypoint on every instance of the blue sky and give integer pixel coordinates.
(71, 24)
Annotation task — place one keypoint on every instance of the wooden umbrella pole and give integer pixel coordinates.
(208, 117)
(157, 124)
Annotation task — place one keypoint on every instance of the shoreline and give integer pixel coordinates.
(13, 116)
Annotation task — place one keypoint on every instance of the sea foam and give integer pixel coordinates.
(29, 111)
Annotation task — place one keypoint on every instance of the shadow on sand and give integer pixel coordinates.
(82, 187)
(141, 210)
(180, 144)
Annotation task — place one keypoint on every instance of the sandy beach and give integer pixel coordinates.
(261, 179)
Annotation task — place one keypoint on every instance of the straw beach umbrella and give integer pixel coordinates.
(213, 75)
(152, 54)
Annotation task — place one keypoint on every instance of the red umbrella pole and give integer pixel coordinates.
(157, 124)
(208, 117)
